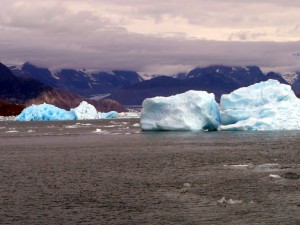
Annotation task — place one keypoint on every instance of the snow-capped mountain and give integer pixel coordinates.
(79, 81)
(129, 88)
(216, 79)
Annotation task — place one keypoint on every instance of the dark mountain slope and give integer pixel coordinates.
(213, 79)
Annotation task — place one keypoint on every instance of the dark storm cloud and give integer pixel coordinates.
(104, 35)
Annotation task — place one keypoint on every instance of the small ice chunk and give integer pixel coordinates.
(231, 201)
(240, 166)
(223, 200)
(98, 130)
(45, 112)
(72, 126)
(275, 176)
(136, 125)
(12, 131)
(267, 167)
(130, 115)
(108, 115)
(187, 185)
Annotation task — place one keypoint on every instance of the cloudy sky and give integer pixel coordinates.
(151, 36)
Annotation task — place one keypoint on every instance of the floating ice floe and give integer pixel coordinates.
(275, 176)
(45, 112)
(267, 105)
(132, 114)
(108, 115)
(192, 110)
(267, 167)
(229, 201)
(31, 131)
(11, 131)
(98, 131)
(7, 118)
(48, 112)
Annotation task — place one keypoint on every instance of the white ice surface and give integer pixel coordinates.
(85, 111)
(192, 110)
(267, 105)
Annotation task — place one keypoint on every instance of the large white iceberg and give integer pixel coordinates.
(192, 110)
(45, 112)
(267, 105)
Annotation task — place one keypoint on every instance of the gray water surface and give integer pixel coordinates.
(109, 172)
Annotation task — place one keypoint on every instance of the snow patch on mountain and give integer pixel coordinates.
(290, 77)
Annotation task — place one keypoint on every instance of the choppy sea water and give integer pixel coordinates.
(109, 172)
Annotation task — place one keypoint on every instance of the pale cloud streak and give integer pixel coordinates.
(154, 37)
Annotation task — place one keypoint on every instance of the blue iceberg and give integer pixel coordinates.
(108, 115)
(267, 105)
(192, 110)
(45, 112)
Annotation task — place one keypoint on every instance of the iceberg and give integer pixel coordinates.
(129, 115)
(85, 111)
(47, 112)
(266, 105)
(192, 110)
(44, 112)
(108, 115)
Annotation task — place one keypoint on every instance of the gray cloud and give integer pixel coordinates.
(95, 35)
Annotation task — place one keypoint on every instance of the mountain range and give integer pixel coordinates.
(79, 81)
(129, 88)
(19, 92)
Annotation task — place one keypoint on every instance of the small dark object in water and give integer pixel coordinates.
(291, 175)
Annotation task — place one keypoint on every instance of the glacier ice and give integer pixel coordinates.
(108, 115)
(85, 111)
(129, 114)
(192, 110)
(44, 112)
(267, 105)
(48, 112)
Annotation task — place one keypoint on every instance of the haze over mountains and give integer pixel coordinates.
(129, 88)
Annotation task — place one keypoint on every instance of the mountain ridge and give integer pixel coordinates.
(129, 88)
(18, 92)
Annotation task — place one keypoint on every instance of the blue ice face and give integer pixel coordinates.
(267, 105)
(45, 112)
(108, 115)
